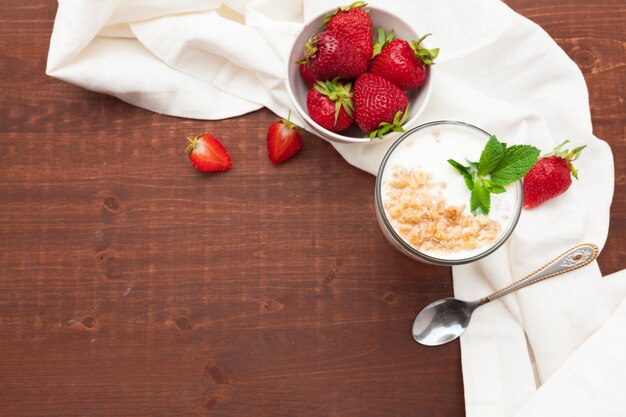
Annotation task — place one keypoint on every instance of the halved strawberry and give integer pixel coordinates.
(283, 140)
(207, 154)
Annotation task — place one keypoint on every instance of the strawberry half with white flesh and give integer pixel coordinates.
(207, 154)
(283, 140)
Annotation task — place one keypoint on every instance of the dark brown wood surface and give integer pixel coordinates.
(132, 285)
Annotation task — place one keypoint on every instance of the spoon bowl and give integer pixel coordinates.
(444, 320)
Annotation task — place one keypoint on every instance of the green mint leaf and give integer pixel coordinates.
(464, 171)
(515, 163)
(499, 165)
(493, 188)
(491, 156)
(480, 201)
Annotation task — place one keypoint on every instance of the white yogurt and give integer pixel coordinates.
(428, 149)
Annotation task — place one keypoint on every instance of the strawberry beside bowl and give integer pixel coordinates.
(298, 90)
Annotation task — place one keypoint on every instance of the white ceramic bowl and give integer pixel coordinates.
(297, 89)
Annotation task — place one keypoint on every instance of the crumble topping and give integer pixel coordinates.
(420, 214)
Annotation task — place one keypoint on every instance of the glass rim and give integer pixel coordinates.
(406, 246)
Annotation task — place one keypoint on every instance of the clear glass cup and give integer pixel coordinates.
(442, 129)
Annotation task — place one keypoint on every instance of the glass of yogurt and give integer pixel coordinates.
(423, 203)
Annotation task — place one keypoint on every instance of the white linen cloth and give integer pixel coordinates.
(551, 349)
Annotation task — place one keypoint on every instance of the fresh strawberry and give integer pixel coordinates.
(208, 154)
(306, 76)
(354, 22)
(401, 62)
(283, 140)
(330, 104)
(380, 106)
(331, 54)
(550, 176)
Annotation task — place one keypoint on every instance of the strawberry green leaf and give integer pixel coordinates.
(427, 56)
(386, 128)
(406, 114)
(382, 41)
(573, 155)
(557, 151)
(490, 157)
(321, 87)
(337, 92)
(310, 50)
(398, 120)
(348, 107)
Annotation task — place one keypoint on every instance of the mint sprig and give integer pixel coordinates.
(465, 171)
(498, 166)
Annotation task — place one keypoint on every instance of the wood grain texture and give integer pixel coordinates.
(132, 285)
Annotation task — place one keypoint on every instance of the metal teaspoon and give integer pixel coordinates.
(444, 320)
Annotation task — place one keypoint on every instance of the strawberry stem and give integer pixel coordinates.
(427, 56)
(288, 123)
(193, 143)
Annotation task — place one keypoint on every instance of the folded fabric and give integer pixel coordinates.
(592, 381)
(532, 352)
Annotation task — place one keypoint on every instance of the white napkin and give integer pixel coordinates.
(551, 349)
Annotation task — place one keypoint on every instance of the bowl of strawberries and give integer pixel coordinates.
(359, 73)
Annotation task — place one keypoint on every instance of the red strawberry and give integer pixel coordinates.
(306, 76)
(208, 154)
(354, 22)
(329, 55)
(550, 176)
(283, 140)
(379, 105)
(401, 63)
(330, 104)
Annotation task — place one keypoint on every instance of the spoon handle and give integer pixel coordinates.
(575, 258)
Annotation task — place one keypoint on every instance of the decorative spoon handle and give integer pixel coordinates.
(575, 258)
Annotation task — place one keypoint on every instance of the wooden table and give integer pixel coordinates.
(132, 285)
